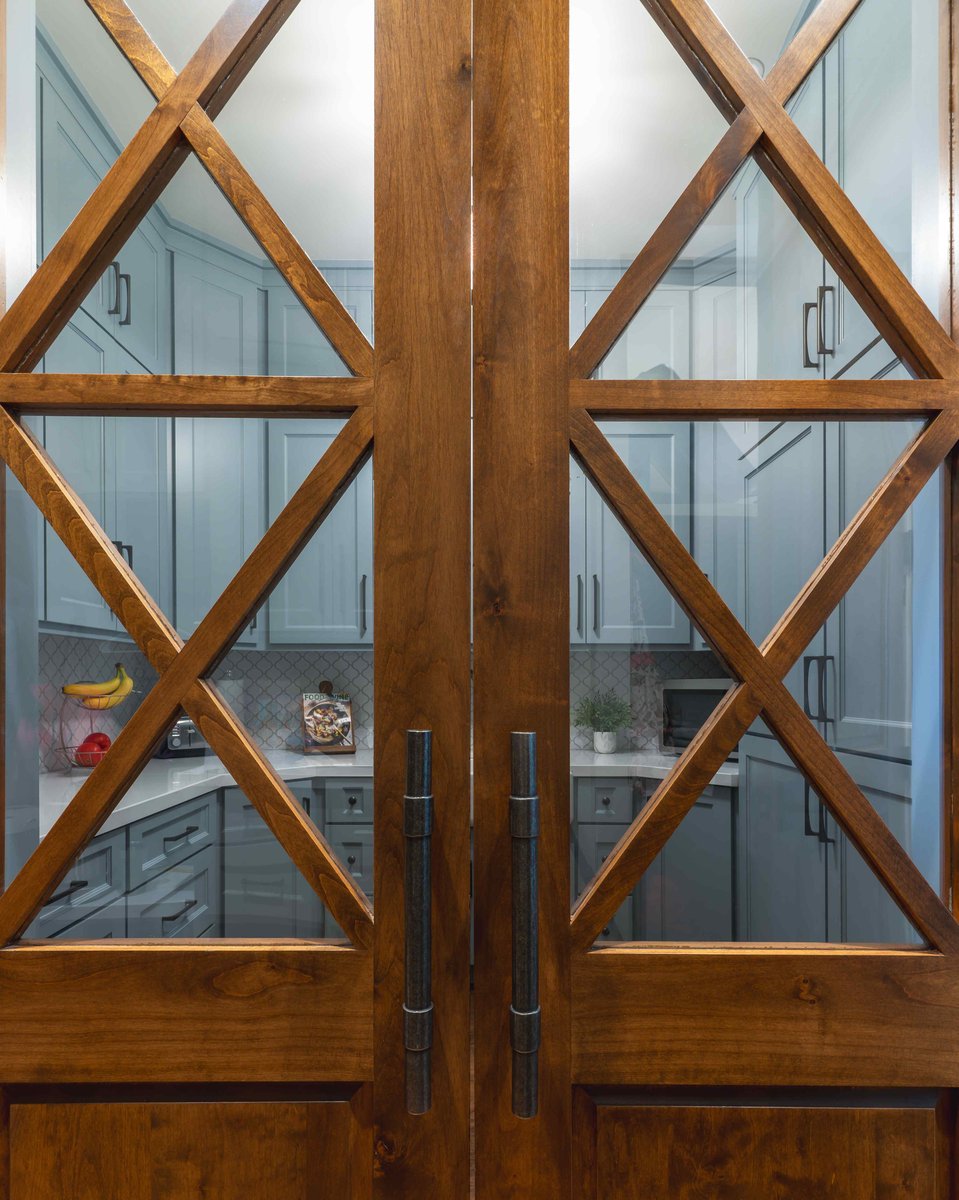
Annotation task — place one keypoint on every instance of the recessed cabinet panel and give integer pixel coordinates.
(326, 596)
(625, 601)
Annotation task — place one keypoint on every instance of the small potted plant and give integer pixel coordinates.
(606, 714)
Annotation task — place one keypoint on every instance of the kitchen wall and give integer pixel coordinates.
(264, 686)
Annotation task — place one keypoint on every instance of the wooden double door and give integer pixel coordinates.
(468, 1029)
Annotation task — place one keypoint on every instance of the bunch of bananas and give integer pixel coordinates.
(107, 694)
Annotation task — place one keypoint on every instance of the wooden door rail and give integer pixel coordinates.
(181, 668)
(761, 671)
(183, 395)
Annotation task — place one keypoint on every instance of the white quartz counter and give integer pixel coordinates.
(165, 782)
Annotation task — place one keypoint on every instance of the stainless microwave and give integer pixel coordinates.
(685, 706)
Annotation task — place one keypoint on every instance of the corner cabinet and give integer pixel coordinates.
(326, 595)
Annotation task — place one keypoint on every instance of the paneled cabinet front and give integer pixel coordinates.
(326, 596)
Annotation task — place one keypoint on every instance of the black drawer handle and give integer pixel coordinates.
(351, 860)
(351, 800)
(74, 886)
(181, 912)
(606, 801)
(180, 837)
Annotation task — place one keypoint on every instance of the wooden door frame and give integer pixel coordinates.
(408, 406)
(644, 1016)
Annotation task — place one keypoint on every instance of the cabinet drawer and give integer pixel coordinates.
(160, 842)
(355, 849)
(604, 799)
(98, 878)
(243, 825)
(109, 922)
(178, 903)
(349, 801)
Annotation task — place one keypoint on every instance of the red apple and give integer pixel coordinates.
(99, 739)
(88, 753)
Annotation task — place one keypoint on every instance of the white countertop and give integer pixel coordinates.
(165, 782)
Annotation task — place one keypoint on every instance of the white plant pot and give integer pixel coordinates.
(604, 743)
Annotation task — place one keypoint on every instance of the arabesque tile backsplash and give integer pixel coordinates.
(264, 687)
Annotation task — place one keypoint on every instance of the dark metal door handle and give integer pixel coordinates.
(114, 309)
(597, 601)
(182, 912)
(418, 984)
(807, 359)
(127, 549)
(821, 294)
(127, 318)
(579, 605)
(524, 1013)
(179, 837)
(73, 886)
(820, 832)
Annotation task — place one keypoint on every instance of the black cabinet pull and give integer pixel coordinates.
(351, 801)
(73, 886)
(127, 318)
(821, 294)
(807, 359)
(179, 837)
(524, 1012)
(597, 604)
(362, 606)
(180, 912)
(114, 309)
(579, 605)
(351, 860)
(418, 914)
(819, 833)
(606, 801)
(127, 549)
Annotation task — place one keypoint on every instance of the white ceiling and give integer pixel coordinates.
(302, 121)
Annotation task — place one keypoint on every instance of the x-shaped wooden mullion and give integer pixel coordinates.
(693, 206)
(228, 173)
(762, 690)
(800, 175)
(181, 669)
(136, 180)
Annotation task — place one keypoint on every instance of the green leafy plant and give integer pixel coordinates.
(603, 712)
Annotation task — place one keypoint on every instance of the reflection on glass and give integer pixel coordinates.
(632, 102)
(758, 858)
(178, 29)
(186, 853)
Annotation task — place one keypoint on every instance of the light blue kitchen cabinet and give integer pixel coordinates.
(220, 506)
(688, 892)
(183, 901)
(96, 879)
(218, 314)
(592, 845)
(264, 895)
(109, 922)
(121, 469)
(131, 300)
(626, 603)
(326, 595)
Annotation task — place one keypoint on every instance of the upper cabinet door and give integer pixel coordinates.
(142, 324)
(873, 85)
(72, 161)
(780, 269)
(217, 325)
(326, 596)
(656, 342)
(77, 447)
(220, 511)
(625, 601)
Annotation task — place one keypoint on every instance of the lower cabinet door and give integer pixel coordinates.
(259, 881)
(696, 873)
(98, 878)
(109, 922)
(179, 903)
(593, 844)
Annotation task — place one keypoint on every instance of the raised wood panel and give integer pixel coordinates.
(756, 1016)
(264, 1011)
(759, 1153)
(169, 1151)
